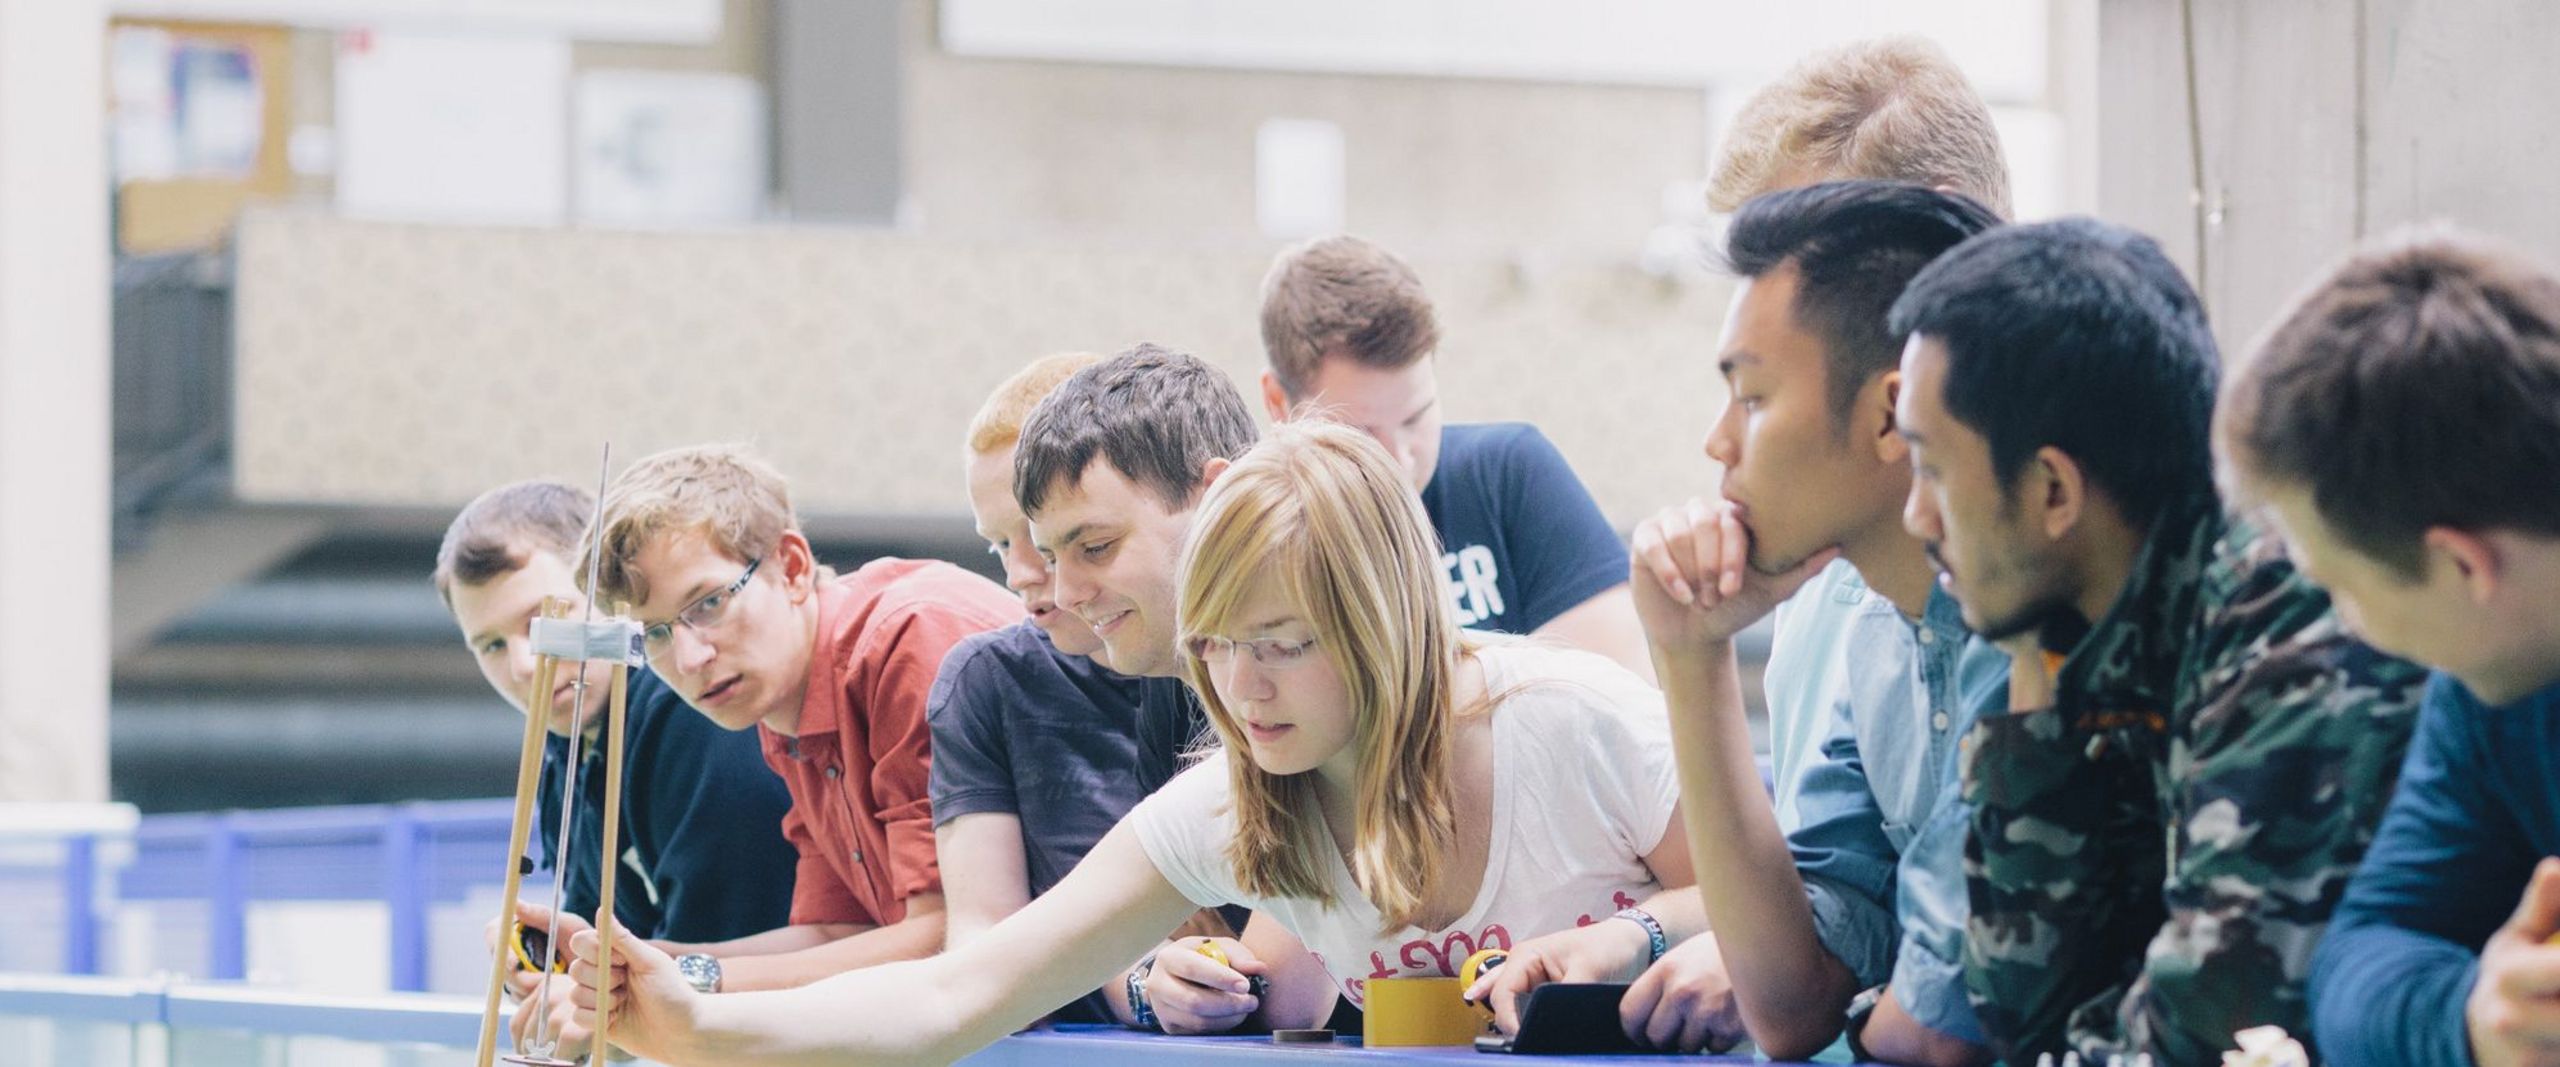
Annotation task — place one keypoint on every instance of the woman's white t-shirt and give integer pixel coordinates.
(1584, 787)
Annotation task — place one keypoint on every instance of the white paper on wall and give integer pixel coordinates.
(1298, 178)
(670, 148)
(453, 128)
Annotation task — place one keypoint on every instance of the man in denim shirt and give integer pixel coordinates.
(1890, 108)
(1815, 478)
(1910, 690)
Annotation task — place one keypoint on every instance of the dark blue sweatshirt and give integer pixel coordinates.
(703, 857)
(2478, 806)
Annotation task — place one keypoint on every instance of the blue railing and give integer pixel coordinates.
(409, 857)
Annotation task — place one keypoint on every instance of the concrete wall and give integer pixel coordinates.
(389, 364)
(2322, 123)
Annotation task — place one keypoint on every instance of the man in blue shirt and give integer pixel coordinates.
(703, 858)
(1352, 337)
(1868, 893)
(2401, 426)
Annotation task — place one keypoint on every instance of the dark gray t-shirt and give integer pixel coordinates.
(1057, 741)
(1022, 729)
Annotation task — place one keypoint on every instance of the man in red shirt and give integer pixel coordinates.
(701, 547)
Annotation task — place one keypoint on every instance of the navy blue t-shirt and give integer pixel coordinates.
(703, 856)
(1521, 541)
(1057, 741)
(1022, 729)
(2478, 806)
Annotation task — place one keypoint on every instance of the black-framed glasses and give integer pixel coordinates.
(703, 614)
(1271, 652)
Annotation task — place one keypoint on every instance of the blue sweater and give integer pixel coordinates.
(702, 848)
(2478, 806)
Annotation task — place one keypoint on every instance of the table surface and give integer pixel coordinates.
(1075, 1045)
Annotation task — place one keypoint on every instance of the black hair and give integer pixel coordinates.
(2082, 336)
(1855, 245)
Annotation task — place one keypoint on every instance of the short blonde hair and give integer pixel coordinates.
(998, 423)
(1893, 108)
(721, 493)
(1322, 510)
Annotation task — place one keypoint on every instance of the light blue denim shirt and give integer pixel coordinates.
(1807, 668)
(1879, 837)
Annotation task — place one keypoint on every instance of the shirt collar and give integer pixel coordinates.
(2130, 657)
(822, 702)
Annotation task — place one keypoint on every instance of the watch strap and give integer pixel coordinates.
(1142, 1014)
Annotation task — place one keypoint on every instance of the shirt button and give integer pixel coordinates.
(1928, 637)
(857, 855)
(1939, 720)
(834, 773)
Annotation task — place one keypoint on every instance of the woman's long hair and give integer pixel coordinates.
(1322, 510)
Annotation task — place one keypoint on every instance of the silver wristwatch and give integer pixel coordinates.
(700, 971)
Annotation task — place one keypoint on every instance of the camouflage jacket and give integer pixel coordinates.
(2153, 858)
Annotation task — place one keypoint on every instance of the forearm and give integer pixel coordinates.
(919, 935)
(2387, 994)
(1116, 993)
(794, 938)
(967, 919)
(985, 873)
(842, 1019)
(1682, 912)
(1791, 990)
(1893, 1036)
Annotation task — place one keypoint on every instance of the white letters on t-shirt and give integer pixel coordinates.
(1470, 577)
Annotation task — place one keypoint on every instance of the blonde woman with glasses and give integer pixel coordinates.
(1392, 791)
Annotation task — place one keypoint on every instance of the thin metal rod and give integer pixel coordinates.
(544, 1041)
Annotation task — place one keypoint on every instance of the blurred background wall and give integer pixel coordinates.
(374, 256)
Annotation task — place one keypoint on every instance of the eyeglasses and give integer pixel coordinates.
(701, 615)
(1269, 652)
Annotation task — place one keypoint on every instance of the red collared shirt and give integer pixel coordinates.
(860, 812)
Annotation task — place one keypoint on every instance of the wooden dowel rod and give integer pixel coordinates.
(612, 849)
(537, 712)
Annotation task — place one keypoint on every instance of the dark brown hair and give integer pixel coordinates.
(2418, 385)
(494, 534)
(1158, 416)
(1342, 296)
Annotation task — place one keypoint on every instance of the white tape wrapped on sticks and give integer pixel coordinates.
(610, 640)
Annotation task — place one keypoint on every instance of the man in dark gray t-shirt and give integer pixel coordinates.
(1056, 741)
(1022, 729)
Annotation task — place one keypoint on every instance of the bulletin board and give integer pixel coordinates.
(200, 115)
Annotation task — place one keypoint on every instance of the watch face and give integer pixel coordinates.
(700, 971)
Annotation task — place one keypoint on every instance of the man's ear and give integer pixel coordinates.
(2055, 492)
(1275, 400)
(2474, 558)
(797, 563)
(1209, 473)
(1879, 397)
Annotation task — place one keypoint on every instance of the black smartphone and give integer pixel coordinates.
(1567, 1019)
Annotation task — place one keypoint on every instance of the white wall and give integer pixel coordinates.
(54, 387)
